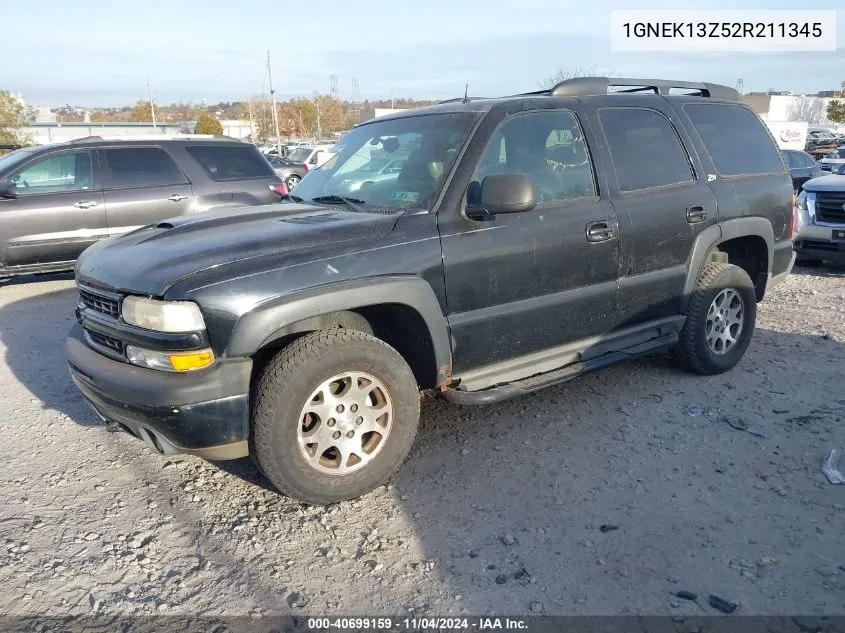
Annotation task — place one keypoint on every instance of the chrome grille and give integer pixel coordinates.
(830, 206)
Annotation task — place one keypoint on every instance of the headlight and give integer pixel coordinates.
(162, 316)
(801, 200)
(169, 361)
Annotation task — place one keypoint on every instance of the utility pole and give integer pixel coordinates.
(317, 110)
(251, 123)
(392, 98)
(152, 105)
(275, 114)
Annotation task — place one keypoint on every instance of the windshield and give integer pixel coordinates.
(398, 163)
(14, 158)
(300, 155)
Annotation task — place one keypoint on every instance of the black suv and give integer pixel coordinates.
(56, 200)
(525, 241)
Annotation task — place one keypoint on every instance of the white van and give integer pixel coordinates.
(312, 155)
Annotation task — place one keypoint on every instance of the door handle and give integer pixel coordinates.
(177, 197)
(696, 213)
(601, 231)
(86, 204)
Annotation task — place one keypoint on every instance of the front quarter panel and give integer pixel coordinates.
(247, 303)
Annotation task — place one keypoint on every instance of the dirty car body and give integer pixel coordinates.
(488, 282)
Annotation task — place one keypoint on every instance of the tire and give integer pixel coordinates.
(285, 413)
(730, 284)
(292, 181)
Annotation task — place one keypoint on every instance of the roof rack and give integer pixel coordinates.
(584, 86)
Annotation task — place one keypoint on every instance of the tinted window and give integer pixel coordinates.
(231, 162)
(645, 149)
(549, 148)
(806, 159)
(793, 160)
(62, 172)
(141, 167)
(735, 138)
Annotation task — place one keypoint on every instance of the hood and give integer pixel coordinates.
(151, 259)
(833, 182)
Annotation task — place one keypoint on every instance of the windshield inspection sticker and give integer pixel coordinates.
(405, 196)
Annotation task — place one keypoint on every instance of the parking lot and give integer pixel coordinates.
(499, 508)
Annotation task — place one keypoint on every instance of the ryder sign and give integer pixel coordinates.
(788, 134)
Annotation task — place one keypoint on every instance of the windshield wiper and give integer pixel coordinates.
(336, 199)
(292, 197)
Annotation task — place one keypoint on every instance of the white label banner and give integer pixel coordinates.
(648, 30)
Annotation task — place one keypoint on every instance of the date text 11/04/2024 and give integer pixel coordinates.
(417, 624)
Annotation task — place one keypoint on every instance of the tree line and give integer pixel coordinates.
(297, 117)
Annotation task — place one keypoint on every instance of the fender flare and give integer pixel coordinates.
(272, 319)
(715, 235)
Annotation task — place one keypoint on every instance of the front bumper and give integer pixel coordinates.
(815, 242)
(204, 413)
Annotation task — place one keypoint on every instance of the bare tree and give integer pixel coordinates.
(562, 73)
(809, 109)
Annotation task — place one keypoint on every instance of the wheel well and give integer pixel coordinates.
(752, 255)
(398, 325)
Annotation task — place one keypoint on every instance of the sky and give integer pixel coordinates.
(100, 52)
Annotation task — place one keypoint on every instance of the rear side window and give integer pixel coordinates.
(735, 138)
(231, 162)
(793, 160)
(807, 160)
(141, 167)
(644, 148)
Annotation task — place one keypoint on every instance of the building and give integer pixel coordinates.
(44, 133)
(375, 113)
(236, 129)
(776, 107)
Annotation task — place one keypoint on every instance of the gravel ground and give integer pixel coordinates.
(603, 496)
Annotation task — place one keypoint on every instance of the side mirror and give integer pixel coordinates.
(8, 190)
(500, 193)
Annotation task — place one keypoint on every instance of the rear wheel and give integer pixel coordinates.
(720, 321)
(335, 414)
(292, 181)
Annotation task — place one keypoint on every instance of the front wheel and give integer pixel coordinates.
(335, 414)
(720, 321)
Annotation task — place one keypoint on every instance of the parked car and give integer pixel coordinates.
(802, 167)
(376, 170)
(57, 200)
(525, 242)
(820, 210)
(290, 173)
(313, 156)
(820, 142)
(832, 160)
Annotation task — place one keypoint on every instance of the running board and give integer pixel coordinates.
(563, 374)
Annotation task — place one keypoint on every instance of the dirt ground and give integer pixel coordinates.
(498, 510)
